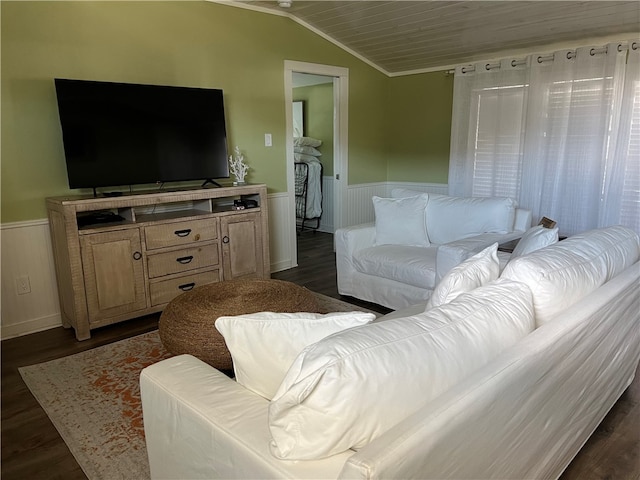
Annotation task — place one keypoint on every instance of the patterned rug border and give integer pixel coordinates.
(82, 425)
(96, 410)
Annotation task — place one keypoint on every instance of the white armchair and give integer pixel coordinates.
(397, 275)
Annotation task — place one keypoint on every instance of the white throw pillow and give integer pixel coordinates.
(563, 273)
(475, 271)
(345, 390)
(307, 151)
(263, 345)
(534, 239)
(306, 142)
(401, 221)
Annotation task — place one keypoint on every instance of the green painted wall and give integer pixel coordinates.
(318, 118)
(198, 44)
(420, 127)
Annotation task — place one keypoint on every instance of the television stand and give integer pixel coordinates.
(124, 257)
(211, 181)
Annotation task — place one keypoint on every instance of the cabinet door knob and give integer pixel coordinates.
(184, 260)
(225, 239)
(187, 286)
(183, 233)
(137, 255)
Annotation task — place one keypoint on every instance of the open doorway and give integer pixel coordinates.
(323, 93)
(313, 152)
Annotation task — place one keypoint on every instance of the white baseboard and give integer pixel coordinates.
(31, 326)
(280, 266)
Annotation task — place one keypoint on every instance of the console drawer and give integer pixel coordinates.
(180, 233)
(183, 260)
(166, 290)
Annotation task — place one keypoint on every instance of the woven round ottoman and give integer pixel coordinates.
(187, 324)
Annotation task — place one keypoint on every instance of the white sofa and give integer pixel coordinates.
(522, 412)
(392, 273)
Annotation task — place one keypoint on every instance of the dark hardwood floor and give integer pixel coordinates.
(32, 448)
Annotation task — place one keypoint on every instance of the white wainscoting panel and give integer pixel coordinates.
(326, 221)
(281, 218)
(441, 188)
(26, 251)
(360, 206)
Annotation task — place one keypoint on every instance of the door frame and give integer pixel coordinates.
(340, 140)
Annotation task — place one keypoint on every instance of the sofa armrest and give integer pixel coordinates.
(200, 424)
(354, 238)
(350, 240)
(453, 253)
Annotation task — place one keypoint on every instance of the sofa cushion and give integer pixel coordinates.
(401, 221)
(264, 345)
(534, 239)
(475, 271)
(561, 274)
(453, 218)
(349, 388)
(413, 265)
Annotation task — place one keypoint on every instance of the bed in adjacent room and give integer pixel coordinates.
(308, 182)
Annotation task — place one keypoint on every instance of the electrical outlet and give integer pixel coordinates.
(23, 285)
(267, 140)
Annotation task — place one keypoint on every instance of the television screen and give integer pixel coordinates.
(118, 134)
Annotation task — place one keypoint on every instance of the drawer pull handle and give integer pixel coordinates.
(183, 233)
(137, 255)
(225, 239)
(184, 260)
(187, 286)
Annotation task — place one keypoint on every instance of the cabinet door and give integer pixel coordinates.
(242, 246)
(114, 273)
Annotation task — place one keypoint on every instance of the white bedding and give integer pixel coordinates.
(314, 189)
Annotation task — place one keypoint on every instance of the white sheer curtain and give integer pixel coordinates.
(559, 133)
(622, 183)
(487, 127)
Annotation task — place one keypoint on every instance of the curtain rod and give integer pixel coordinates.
(545, 58)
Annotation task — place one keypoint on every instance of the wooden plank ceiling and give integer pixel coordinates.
(404, 36)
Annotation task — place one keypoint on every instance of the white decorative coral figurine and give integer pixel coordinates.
(237, 166)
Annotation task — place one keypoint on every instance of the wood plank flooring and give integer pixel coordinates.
(32, 448)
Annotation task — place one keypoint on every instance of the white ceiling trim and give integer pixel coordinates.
(256, 8)
(541, 49)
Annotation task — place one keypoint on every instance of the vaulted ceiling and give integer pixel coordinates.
(399, 37)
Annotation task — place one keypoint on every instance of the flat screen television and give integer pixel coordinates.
(118, 134)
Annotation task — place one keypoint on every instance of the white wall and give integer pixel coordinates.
(26, 251)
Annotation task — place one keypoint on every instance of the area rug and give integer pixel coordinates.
(93, 399)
